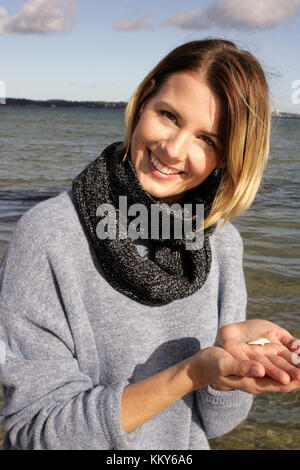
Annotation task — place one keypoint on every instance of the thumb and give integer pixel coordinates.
(245, 368)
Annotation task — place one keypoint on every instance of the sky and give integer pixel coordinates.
(94, 50)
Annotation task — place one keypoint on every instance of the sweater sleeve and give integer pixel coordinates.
(220, 412)
(51, 401)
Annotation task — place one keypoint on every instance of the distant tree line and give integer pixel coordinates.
(65, 103)
(98, 104)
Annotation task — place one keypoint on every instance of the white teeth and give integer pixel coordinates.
(162, 169)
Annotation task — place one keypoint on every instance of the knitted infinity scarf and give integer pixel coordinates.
(174, 272)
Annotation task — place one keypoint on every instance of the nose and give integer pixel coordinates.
(177, 146)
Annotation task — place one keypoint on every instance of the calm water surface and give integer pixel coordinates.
(42, 150)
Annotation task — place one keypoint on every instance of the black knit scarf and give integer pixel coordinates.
(174, 272)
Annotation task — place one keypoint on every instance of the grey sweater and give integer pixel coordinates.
(70, 343)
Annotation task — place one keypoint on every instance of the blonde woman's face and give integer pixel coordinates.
(177, 141)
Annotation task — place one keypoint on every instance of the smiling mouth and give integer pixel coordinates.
(161, 168)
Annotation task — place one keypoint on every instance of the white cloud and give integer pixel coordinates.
(193, 19)
(3, 12)
(134, 25)
(40, 17)
(246, 14)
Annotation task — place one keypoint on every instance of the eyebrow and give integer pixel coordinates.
(176, 114)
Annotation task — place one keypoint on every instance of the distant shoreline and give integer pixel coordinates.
(99, 105)
(286, 115)
(65, 103)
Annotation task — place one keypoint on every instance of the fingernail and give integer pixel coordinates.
(255, 371)
(295, 344)
(285, 379)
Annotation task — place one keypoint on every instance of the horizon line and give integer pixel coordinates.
(121, 103)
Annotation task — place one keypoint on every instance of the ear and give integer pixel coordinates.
(147, 92)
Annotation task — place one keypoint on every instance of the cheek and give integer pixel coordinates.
(202, 164)
(198, 163)
(137, 144)
(149, 130)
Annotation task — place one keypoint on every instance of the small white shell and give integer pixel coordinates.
(260, 341)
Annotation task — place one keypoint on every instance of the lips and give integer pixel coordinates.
(157, 174)
(161, 167)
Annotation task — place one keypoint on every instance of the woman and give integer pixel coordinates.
(112, 341)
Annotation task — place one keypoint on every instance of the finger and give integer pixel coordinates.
(293, 360)
(295, 345)
(290, 356)
(285, 365)
(296, 358)
(271, 369)
(260, 385)
(243, 368)
(287, 339)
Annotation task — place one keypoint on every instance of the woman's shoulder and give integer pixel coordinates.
(40, 232)
(46, 218)
(57, 205)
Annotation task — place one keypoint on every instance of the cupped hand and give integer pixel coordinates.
(219, 369)
(278, 357)
(249, 330)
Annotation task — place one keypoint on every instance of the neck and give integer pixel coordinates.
(172, 199)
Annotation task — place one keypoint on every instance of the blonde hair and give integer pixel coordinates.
(237, 78)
